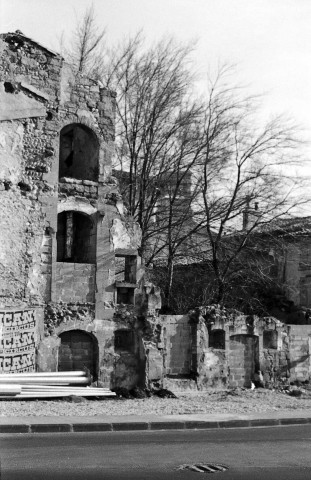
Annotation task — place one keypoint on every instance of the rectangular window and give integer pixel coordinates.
(123, 341)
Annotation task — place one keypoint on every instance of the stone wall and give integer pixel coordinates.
(62, 216)
(243, 359)
(177, 344)
(296, 270)
(82, 188)
(300, 352)
(294, 273)
(229, 349)
(40, 95)
(75, 282)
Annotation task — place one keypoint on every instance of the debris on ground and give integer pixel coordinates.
(228, 401)
(137, 392)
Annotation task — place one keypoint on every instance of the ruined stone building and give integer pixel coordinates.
(68, 252)
(72, 288)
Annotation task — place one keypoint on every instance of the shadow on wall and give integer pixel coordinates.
(178, 346)
(129, 360)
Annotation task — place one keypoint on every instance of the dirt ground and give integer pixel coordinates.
(226, 401)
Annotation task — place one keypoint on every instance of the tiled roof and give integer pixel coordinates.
(288, 226)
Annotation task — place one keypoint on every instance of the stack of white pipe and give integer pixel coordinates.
(49, 385)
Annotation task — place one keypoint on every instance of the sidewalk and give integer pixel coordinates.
(116, 423)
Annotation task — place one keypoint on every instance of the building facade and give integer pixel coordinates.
(72, 289)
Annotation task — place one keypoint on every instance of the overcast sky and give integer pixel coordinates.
(270, 40)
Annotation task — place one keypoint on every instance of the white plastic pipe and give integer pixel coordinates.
(78, 373)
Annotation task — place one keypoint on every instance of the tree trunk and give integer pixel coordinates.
(169, 283)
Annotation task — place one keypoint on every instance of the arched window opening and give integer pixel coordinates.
(270, 339)
(76, 238)
(78, 153)
(217, 339)
(78, 350)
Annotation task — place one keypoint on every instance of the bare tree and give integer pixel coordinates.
(163, 136)
(157, 134)
(247, 171)
(86, 47)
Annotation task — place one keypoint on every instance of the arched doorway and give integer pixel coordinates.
(78, 349)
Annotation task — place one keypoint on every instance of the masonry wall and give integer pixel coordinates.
(177, 344)
(52, 120)
(40, 94)
(75, 282)
(231, 349)
(295, 274)
(243, 360)
(300, 352)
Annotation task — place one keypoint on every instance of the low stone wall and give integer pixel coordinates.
(232, 349)
(178, 352)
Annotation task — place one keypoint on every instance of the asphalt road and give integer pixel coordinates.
(280, 453)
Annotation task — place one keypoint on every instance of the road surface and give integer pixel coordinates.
(280, 453)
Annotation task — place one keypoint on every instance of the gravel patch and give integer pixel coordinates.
(208, 402)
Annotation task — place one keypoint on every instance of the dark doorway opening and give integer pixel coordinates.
(78, 350)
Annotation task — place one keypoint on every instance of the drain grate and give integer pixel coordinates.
(204, 467)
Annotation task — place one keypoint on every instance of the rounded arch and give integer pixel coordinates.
(78, 350)
(78, 152)
(75, 205)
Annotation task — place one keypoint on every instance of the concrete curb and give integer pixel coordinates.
(75, 427)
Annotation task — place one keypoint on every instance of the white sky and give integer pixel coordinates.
(270, 40)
